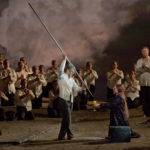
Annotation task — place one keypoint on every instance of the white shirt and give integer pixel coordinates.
(8, 86)
(24, 102)
(22, 74)
(51, 75)
(28, 69)
(143, 73)
(113, 80)
(90, 77)
(36, 86)
(79, 83)
(66, 85)
(132, 92)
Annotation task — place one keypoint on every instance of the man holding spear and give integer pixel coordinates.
(66, 87)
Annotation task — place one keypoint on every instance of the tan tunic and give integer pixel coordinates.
(36, 86)
(51, 75)
(113, 80)
(132, 92)
(144, 73)
(90, 78)
(8, 86)
(20, 76)
(24, 102)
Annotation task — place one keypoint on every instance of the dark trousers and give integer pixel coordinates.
(46, 89)
(10, 102)
(66, 110)
(2, 116)
(8, 116)
(23, 114)
(80, 102)
(145, 98)
(54, 111)
(37, 102)
(92, 90)
(110, 94)
(133, 103)
(56, 106)
(76, 103)
(83, 101)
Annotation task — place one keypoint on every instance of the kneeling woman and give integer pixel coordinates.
(24, 97)
(119, 110)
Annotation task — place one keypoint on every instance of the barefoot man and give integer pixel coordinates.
(66, 87)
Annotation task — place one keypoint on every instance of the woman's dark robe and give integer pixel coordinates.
(117, 114)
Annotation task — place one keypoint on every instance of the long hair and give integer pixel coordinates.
(121, 90)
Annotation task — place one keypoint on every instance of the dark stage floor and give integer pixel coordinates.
(89, 129)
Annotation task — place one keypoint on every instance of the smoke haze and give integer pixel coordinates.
(75, 24)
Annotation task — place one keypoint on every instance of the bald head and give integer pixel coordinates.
(145, 52)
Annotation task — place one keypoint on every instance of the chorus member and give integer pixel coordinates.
(24, 98)
(80, 99)
(27, 68)
(114, 77)
(143, 69)
(133, 69)
(9, 78)
(21, 74)
(35, 83)
(52, 74)
(42, 71)
(53, 108)
(132, 91)
(90, 76)
(42, 74)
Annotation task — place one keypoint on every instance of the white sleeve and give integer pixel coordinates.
(95, 74)
(76, 87)
(139, 68)
(43, 81)
(121, 74)
(62, 68)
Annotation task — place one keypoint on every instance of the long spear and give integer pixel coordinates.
(57, 44)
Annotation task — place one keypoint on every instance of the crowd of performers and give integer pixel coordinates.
(25, 87)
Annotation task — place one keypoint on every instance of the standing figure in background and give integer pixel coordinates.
(66, 87)
(114, 77)
(80, 99)
(35, 83)
(53, 108)
(52, 74)
(27, 68)
(143, 69)
(21, 74)
(23, 97)
(90, 76)
(42, 73)
(132, 87)
(133, 69)
(8, 77)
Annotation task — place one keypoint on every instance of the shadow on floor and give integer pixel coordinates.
(139, 148)
(85, 141)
